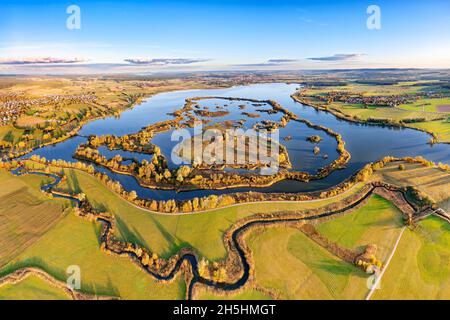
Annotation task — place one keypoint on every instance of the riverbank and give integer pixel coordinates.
(134, 97)
(341, 115)
(213, 202)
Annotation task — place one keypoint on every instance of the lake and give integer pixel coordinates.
(366, 143)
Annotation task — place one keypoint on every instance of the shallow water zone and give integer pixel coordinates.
(366, 143)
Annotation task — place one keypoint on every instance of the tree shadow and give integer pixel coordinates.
(339, 268)
(175, 244)
(132, 236)
(101, 290)
(35, 262)
(73, 182)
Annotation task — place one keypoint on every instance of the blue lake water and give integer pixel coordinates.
(366, 143)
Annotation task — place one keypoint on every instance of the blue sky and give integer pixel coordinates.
(215, 35)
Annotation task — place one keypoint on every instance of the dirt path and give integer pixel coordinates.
(377, 283)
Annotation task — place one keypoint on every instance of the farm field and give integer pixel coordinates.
(431, 181)
(374, 112)
(25, 214)
(293, 265)
(431, 114)
(248, 294)
(378, 222)
(77, 101)
(441, 128)
(420, 268)
(32, 288)
(429, 105)
(225, 151)
(319, 274)
(74, 241)
(373, 89)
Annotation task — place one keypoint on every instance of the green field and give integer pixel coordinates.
(9, 133)
(440, 128)
(112, 97)
(377, 222)
(74, 241)
(32, 288)
(420, 268)
(433, 182)
(296, 267)
(26, 214)
(36, 233)
(428, 105)
(372, 89)
(166, 234)
(248, 294)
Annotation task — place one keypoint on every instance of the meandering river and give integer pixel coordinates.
(366, 143)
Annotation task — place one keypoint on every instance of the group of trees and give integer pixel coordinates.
(138, 142)
(64, 164)
(217, 201)
(29, 141)
(214, 271)
(368, 260)
(8, 165)
(196, 204)
(147, 259)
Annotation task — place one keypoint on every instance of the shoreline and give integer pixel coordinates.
(81, 124)
(238, 198)
(343, 116)
(343, 158)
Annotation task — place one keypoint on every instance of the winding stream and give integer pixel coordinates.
(366, 143)
(191, 258)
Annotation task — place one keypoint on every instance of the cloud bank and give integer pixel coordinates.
(268, 63)
(163, 62)
(44, 61)
(281, 60)
(338, 57)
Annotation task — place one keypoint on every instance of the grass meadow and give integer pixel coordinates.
(420, 268)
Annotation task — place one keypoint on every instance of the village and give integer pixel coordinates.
(13, 105)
